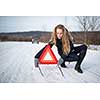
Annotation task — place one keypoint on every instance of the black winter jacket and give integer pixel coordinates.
(59, 47)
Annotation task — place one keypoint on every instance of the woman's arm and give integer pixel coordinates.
(40, 52)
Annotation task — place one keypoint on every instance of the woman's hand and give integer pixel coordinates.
(51, 43)
(60, 61)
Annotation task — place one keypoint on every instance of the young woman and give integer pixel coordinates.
(63, 41)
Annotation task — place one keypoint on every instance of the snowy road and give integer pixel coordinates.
(16, 66)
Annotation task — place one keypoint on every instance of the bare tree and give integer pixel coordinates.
(94, 23)
(83, 22)
(83, 25)
(88, 23)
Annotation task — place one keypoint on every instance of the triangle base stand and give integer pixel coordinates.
(60, 70)
(56, 66)
(41, 72)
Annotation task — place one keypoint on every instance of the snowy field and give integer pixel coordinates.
(17, 65)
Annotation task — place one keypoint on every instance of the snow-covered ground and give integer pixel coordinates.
(17, 65)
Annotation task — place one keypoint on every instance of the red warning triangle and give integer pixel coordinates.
(45, 60)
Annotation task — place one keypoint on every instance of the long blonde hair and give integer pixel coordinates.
(66, 38)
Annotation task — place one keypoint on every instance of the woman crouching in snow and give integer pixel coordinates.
(63, 41)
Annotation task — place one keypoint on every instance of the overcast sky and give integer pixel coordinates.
(30, 23)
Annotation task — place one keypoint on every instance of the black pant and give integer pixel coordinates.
(77, 54)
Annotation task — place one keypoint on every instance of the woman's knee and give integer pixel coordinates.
(84, 47)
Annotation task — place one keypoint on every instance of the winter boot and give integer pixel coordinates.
(78, 69)
(81, 57)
